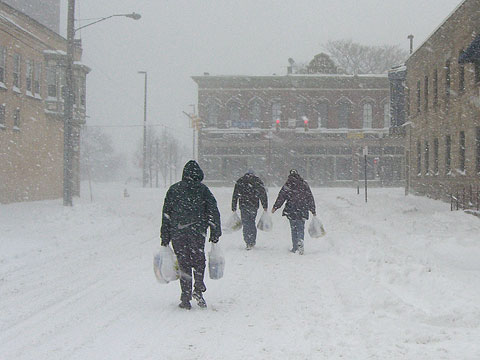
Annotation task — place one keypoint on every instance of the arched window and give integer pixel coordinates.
(367, 115)
(276, 112)
(212, 114)
(322, 112)
(234, 114)
(344, 112)
(386, 115)
(301, 110)
(255, 110)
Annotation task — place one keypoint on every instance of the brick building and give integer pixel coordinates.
(443, 78)
(316, 123)
(32, 68)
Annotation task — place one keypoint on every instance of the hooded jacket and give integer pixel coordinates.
(249, 189)
(298, 196)
(189, 208)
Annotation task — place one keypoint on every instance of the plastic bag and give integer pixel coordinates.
(216, 262)
(233, 223)
(165, 265)
(265, 223)
(315, 228)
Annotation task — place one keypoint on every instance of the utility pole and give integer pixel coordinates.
(68, 109)
(144, 171)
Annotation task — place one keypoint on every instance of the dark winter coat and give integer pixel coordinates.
(299, 198)
(189, 208)
(249, 189)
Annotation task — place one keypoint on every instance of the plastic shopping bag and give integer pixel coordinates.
(265, 223)
(216, 262)
(165, 265)
(315, 228)
(233, 223)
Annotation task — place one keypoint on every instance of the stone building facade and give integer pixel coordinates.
(32, 79)
(318, 124)
(443, 106)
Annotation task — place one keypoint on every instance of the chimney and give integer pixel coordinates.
(410, 37)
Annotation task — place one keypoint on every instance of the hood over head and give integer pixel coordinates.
(192, 172)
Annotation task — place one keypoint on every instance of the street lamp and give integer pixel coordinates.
(68, 105)
(144, 176)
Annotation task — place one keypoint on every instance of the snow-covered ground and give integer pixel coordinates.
(397, 278)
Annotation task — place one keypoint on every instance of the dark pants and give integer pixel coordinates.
(191, 257)
(249, 228)
(298, 229)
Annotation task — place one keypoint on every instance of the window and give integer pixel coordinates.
(435, 156)
(425, 94)
(461, 77)
(3, 56)
(462, 151)
(477, 144)
(322, 111)
(367, 116)
(447, 81)
(83, 93)
(37, 77)
(418, 96)
(448, 154)
(234, 114)
(255, 112)
(427, 158)
(212, 114)
(435, 89)
(386, 115)
(344, 111)
(16, 119)
(276, 112)
(301, 113)
(419, 158)
(2, 116)
(29, 75)
(476, 66)
(16, 71)
(51, 82)
(408, 101)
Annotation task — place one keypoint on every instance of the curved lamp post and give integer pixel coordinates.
(68, 105)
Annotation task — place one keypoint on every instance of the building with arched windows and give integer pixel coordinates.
(316, 123)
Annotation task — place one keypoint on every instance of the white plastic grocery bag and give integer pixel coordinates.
(165, 265)
(233, 223)
(265, 223)
(315, 228)
(216, 262)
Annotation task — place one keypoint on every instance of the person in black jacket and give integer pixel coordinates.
(299, 201)
(249, 189)
(189, 209)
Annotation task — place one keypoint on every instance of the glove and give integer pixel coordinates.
(214, 239)
(165, 243)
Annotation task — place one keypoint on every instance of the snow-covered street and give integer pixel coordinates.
(397, 278)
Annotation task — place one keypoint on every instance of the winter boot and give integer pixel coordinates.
(200, 300)
(300, 247)
(185, 305)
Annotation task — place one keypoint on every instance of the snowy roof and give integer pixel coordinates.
(313, 81)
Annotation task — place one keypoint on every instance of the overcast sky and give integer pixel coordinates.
(176, 39)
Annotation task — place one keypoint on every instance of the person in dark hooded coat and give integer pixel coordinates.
(249, 191)
(189, 209)
(299, 202)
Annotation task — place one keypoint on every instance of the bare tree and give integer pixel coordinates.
(355, 58)
(164, 155)
(98, 159)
